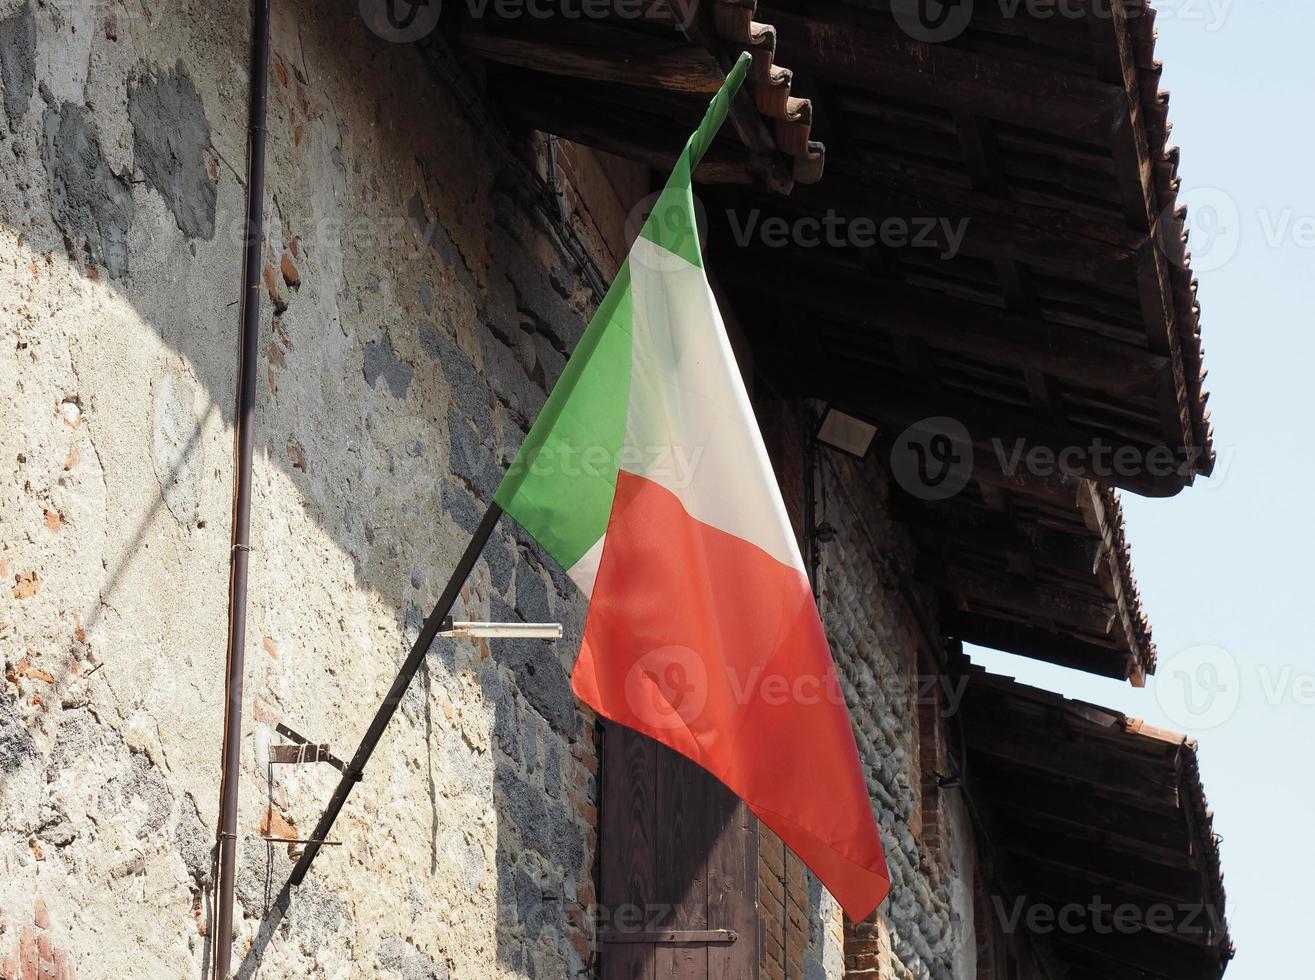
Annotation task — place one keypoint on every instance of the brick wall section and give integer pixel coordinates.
(802, 926)
(933, 759)
(797, 914)
(772, 901)
(867, 949)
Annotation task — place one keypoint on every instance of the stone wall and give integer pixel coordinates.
(421, 294)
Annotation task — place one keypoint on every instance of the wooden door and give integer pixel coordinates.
(678, 867)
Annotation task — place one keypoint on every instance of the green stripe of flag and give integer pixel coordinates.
(571, 452)
(672, 224)
(561, 484)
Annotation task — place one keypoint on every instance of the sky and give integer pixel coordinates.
(1226, 567)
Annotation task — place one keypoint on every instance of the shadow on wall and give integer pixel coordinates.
(415, 313)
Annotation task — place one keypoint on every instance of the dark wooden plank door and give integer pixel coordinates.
(678, 857)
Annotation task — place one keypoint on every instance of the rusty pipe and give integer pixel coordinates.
(243, 448)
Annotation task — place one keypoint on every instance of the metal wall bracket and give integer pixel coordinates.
(298, 754)
(296, 840)
(508, 631)
(303, 751)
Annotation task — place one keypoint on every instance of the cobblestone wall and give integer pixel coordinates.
(867, 607)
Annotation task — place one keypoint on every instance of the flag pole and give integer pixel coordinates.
(354, 771)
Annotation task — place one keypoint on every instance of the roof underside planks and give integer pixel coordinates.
(1082, 804)
(636, 81)
(1064, 315)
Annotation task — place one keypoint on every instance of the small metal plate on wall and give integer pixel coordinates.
(298, 754)
(714, 937)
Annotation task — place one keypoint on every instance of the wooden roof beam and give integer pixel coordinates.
(993, 429)
(593, 52)
(1062, 242)
(951, 528)
(1095, 513)
(867, 50)
(1142, 950)
(1025, 815)
(1054, 648)
(1184, 922)
(994, 335)
(697, 22)
(1060, 800)
(634, 137)
(1023, 599)
(1136, 175)
(1025, 753)
(1057, 850)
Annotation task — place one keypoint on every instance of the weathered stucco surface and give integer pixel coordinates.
(417, 307)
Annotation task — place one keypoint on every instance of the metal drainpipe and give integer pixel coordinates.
(244, 444)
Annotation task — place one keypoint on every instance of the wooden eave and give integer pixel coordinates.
(1079, 802)
(1066, 316)
(1040, 569)
(637, 85)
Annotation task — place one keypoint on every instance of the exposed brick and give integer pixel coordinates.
(272, 824)
(26, 585)
(291, 275)
(27, 952)
(262, 710)
(25, 669)
(275, 290)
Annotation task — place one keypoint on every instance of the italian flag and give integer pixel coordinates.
(646, 478)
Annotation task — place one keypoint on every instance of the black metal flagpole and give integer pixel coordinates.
(355, 770)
